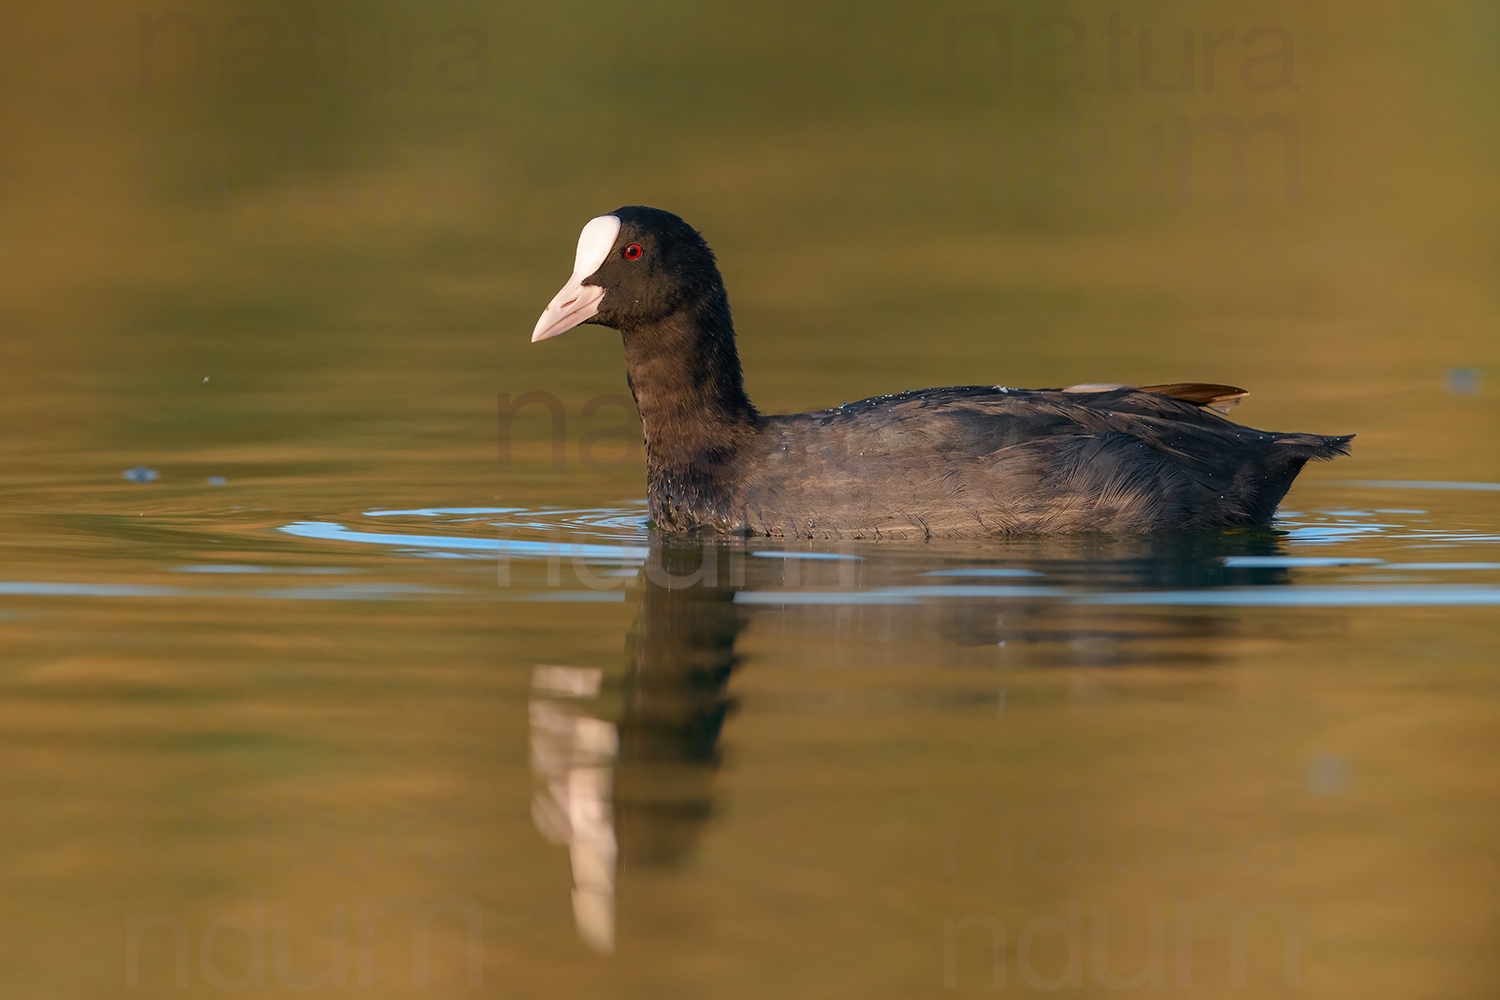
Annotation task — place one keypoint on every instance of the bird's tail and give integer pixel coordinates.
(1318, 447)
(1290, 452)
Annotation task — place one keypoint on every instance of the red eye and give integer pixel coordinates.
(633, 252)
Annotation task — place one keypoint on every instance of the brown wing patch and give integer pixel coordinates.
(1217, 397)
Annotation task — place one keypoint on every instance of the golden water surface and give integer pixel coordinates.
(325, 665)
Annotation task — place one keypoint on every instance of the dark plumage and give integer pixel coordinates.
(963, 461)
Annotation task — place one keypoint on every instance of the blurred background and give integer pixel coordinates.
(360, 207)
(278, 262)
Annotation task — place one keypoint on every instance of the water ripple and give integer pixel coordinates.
(1371, 539)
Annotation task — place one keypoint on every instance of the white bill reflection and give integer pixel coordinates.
(573, 757)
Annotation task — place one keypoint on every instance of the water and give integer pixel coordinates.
(596, 754)
(336, 654)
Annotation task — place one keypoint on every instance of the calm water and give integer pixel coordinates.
(608, 763)
(331, 660)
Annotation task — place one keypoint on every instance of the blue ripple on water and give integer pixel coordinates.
(328, 531)
(1424, 484)
(1271, 597)
(983, 571)
(1429, 595)
(1294, 562)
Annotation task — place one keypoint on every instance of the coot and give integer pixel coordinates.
(958, 462)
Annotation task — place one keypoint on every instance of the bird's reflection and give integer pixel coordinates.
(573, 757)
(638, 791)
(625, 767)
(679, 656)
(1051, 633)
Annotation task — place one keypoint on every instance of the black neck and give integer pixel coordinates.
(684, 372)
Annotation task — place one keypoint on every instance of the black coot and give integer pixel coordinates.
(963, 461)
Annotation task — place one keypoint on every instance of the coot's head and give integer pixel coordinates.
(635, 266)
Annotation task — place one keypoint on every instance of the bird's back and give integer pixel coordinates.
(969, 461)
